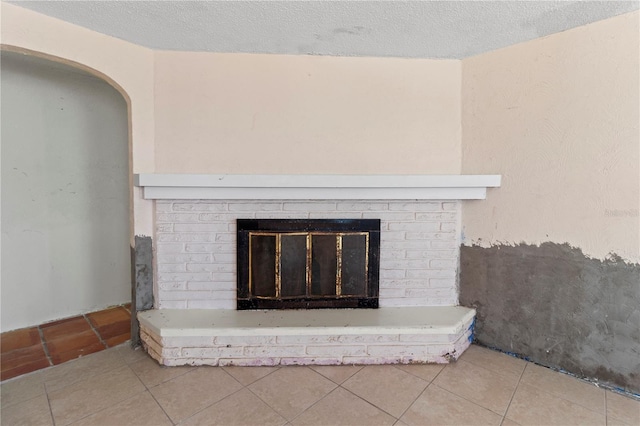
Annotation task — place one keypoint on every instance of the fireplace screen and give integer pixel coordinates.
(289, 264)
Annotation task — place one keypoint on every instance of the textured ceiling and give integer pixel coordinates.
(423, 29)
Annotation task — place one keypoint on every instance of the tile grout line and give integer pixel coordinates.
(606, 412)
(44, 345)
(423, 390)
(504, 416)
(95, 331)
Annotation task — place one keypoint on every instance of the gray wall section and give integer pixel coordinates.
(65, 192)
(557, 307)
(142, 282)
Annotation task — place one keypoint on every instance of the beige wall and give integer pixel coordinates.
(558, 118)
(240, 113)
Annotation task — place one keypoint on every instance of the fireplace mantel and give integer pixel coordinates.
(315, 187)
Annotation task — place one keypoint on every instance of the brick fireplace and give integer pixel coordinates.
(195, 244)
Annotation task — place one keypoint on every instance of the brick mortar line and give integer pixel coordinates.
(44, 346)
(95, 331)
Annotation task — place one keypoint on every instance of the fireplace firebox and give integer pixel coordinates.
(308, 263)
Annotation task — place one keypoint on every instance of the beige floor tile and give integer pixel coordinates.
(426, 372)
(28, 413)
(129, 355)
(196, 390)
(291, 390)
(565, 386)
(436, 406)
(248, 375)
(479, 385)
(91, 395)
(139, 410)
(151, 373)
(22, 389)
(337, 373)
(341, 407)
(509, 422)
(532, 406)
(622, 409)
(494, 361)
(242, 409)
(81, 369)
(386, 387)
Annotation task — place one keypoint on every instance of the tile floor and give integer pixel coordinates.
(122, 386)
(30, 349)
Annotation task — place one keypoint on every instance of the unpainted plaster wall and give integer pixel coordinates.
(550, 259)
(65, 193)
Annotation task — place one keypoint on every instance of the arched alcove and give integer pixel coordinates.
(65, 192)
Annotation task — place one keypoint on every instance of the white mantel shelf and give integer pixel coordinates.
(315, 187)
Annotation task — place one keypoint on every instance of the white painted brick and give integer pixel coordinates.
(405, 245)
(217, 217)
(210, 267)
(406, 264)
(405, 283)
(430, 236)
(189, 295)
(187, 341)
(335, 350)
(225, 258)
(226, 237)
(389, 216)
(213, 362)
(392, 236)
(211, 304)
(392, 254)
(200, 227)
(444, 244)
(390, 302)
(443, 263)
(282, 215)
(191, 237)
(397, 350)
(439, 216)
(244, 340)
(333, 339)
(362, 206)
(414, 226)
(172, 267)
(391, 292)
(274, 351)
(224, 276)
(184, 276)
(164, 248)
(448, 227)
(172, 285)
(415, 207)
(311, 360)
(431, 254)
(362, 360)
(254, 207)
(450, 206)
(429, 338)
(163, 206)
(210, 248)
(335, 215)
(309, 207)
(249, 362)
(184, 258)
(198, 207)
(212, 352)
(429, 292)
(164, 227)
(171, 304)
(177, 217)
(442, 282)
(391, 273)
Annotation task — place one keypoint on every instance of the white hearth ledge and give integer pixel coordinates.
(315, 187)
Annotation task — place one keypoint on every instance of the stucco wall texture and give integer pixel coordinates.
(550, 260)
